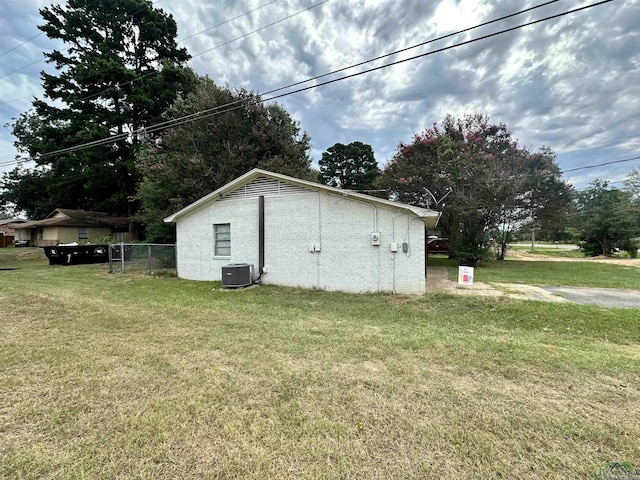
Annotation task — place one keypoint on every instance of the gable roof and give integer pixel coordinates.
(63, 217)
(10, 221)
(430, 217)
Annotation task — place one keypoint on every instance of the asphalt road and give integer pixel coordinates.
(546, 246)
(604, 297)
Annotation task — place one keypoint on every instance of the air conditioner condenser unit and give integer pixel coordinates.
(236, 275)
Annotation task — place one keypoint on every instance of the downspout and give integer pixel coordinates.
(260, 237)
(318, 260)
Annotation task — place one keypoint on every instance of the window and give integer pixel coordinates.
(222, 239)
(83, 233)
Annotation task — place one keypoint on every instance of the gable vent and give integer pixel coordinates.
(262, 186)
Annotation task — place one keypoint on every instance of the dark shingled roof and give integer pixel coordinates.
(63, 217)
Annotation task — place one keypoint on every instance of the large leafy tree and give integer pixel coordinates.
(351, 166)
(120, 70)
(542, 202)
(632, 184)
(478, 176)
(607, 219)
(240, 133)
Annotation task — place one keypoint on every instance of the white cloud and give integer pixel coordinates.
(568, 83)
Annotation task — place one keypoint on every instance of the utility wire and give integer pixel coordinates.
(227, 21)
(22, 68)
(38, 35)
(215, 110)
(240, 103)
(601, 164)
(328, 82)
(415, 46)
(211, 112)
(261, 28)
(142, 77)
(96, 95)
(67, 49)
(344, 68)
(23, 43)
(442, 37)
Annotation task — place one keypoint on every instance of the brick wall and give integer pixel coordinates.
(339, 227)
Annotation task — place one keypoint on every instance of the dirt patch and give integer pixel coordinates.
(438, 281)
(533, 257)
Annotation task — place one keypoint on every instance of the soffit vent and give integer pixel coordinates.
(267, 187)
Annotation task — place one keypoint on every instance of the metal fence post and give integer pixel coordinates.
(149, 259)
(122, 255)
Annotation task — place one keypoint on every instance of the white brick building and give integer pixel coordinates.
(314, 236)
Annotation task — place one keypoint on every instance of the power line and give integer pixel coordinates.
(261, 28)
(42, 59)
(213, 110)
(601, 164)
(67, 49)
(350, 66)
(18, 99)
(38, 35)
(319, 76)
(22, 68)
(137, 79)
(23, 43)
(95, 95)
(228, 21)
(415, 46)
(216, 110)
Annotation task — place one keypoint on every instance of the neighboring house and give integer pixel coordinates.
(8, 232)
(312, 236)
(68, 226)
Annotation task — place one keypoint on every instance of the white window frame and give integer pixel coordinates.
(220, 243)
(85, 231)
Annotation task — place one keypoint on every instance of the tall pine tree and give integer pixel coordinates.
(120, 70)
(351, 166)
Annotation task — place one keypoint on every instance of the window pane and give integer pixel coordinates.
(222, 239)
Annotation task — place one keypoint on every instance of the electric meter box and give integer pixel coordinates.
(375, 238)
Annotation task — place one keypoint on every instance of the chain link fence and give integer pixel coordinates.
(150, 258)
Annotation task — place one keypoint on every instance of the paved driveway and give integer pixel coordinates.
(438, 281)
(605, 297)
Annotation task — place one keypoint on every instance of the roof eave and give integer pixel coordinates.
(247, 177)
(430, 217)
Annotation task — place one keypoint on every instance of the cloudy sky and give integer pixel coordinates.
(571, 83)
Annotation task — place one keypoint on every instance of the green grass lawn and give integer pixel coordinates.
(578, 273)
(130, 376)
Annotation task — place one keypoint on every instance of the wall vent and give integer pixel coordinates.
(267, 187)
